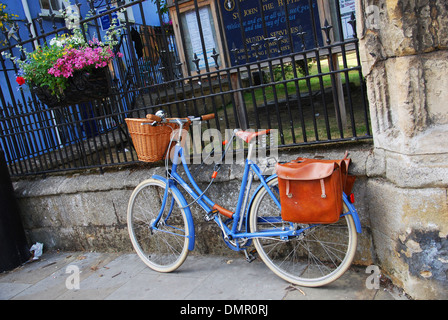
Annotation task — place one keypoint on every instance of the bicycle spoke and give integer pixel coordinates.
(162, 243)
(316, 256)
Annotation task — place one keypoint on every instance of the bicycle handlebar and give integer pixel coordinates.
(157, 119)
(209, 116)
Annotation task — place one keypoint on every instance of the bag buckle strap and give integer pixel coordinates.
(322, 186)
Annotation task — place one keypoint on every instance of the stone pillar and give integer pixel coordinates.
(404, 50)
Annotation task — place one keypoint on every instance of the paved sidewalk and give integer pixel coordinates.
(105, 276)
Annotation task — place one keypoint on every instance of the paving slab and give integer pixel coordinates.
(114, 276)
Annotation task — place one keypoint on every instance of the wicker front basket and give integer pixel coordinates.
(150, 142)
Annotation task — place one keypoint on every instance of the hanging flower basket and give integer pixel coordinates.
(82, 87)
(69, 69)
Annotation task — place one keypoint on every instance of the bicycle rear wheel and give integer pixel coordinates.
(316, 257)
(162, 246)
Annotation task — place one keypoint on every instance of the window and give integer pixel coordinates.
(54, 5)
(128, 11)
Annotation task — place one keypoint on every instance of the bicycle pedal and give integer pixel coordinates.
(209, 216)
(250, 256)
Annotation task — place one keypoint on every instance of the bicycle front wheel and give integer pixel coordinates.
(161, 242)
(319, 255)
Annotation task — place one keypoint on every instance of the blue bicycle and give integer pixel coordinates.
(162, 231)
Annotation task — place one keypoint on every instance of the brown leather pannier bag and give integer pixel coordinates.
(311, 190)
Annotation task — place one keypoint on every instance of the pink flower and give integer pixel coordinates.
(79, 59)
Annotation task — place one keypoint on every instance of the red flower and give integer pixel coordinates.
(20, 80)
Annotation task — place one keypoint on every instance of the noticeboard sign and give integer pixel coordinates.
(250, 38)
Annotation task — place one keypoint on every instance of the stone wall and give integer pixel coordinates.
(405, 61)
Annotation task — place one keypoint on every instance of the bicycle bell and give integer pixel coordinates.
(161, 114)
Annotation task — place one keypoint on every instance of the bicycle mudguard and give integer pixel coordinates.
(350, 206)
(184, 203)
(353, 212)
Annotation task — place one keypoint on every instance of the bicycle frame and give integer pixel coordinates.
(243, 204)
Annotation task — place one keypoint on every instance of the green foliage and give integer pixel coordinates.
(288, 69)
